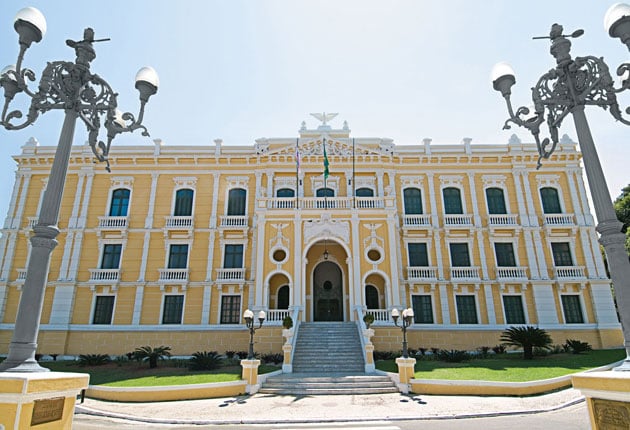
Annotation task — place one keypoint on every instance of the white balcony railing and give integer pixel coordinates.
(369, 202)
(231, 221)
(101, 275)
(275, 316)
(411, 221)
(32, 221)
(381, 316)
(512, 273)
(569, 272)
(226, 275)
(325, 203)
(169, 275)
(502, 220)
(462, 220)
(281, 203)
(116, 222)
(559, 219)
(467, 273)
(178, 222)
(419, 273)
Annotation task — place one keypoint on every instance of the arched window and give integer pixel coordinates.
(183, 202)
(452, 201)
(371, 297)
(496, 201)
(364, 192)
(283, 297)
(120, 202)
(285, 192)
(237, 199)
(413, 201)
(325, 192)
(550, 200)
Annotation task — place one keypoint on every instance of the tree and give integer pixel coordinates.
(152, 355)
(526, 337)
(622, 209)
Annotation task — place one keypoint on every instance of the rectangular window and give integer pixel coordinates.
(418, 254)
(178, 257)
(111, 256)
(422, 309)
(103, 310)
(233, 258)
(572, 309)
(466, 309)
(459, 255)
(505, 254)
(561, 254)
(230, 309)
(173, 309)
(514, 313)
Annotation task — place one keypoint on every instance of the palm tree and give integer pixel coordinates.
(152, 355)
(526, 337)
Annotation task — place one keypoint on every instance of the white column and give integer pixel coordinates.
(355, 259)
(299, 285)
(446, 315)
(575, 199)
(532, 261)
(603, 305)
(258, 258)
(142, 273)
(545, 304)
(270, 175)
(148, 221)
(492, 316)
(434, 208)
(518, 188)
(529, 199)
(586, 248)
(482, 255)
(10, 238)
(3, 299)
(588, 217)
(19, 211)
(82, 221)
(78, 194)
(63, 300)
(137, 305)
(215, 200)
(396, 277)
(67, 255)
(540, 254)
(379, 182)
(599, 261)
(438, 254)
(8, 222)
(473, 198)
(205, 307)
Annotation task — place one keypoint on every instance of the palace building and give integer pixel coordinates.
(176, 242)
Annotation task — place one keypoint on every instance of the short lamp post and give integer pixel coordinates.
(407, 320)
(249, 322)
(80, 94)
(566, 89)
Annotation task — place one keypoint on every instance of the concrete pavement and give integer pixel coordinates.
(272, 409)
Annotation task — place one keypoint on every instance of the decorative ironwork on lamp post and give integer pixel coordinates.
(407, 320)
(73, 88)
(566, 89)
(249, 322)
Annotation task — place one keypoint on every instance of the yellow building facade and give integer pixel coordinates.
(177, 241)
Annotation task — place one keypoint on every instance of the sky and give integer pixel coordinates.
(243, 69)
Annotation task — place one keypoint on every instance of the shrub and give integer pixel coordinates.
(423, 351)
(483, 351)
(526, 337)
(206, 360)
(368, 319)
(453, 355)
(384, 355)
(151, 354)
(435, 351)
(499, 349)
(271, 358)
(242, 355)
(230, 354)
(93, 359)
(287, 322)
(576, 346)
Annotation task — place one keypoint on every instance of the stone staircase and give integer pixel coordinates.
(328, 359)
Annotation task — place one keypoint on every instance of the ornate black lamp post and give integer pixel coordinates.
(566, 89)
(73, 88)
(249, 322)
(407, 320)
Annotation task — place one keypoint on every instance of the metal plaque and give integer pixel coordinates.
(611, 415)
(47, 410)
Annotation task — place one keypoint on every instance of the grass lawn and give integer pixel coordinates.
(134, 374)
(510, 367)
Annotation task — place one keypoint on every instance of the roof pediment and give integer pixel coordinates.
(334, 147)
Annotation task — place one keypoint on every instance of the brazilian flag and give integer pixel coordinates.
(326, 163)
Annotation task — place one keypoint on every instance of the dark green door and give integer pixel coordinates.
(328, 294)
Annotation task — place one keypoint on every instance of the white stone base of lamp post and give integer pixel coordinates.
(607, 398)
(250, 375)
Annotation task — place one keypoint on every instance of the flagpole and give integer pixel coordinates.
(354, 188)
(297, 173)
(325, 176)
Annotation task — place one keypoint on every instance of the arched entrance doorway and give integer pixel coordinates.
(327, 292)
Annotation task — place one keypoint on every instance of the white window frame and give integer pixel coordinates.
(179, 292)
(523, 303)
(467, 293)
(231, 292)
(106, 292)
